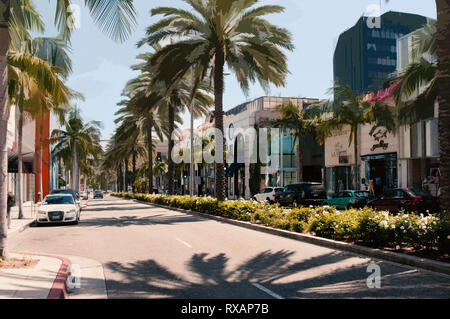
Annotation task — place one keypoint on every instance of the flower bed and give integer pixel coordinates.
(363, 226)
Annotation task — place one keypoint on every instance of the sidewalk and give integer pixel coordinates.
(29, 283)
(19, 225)
(54, 277)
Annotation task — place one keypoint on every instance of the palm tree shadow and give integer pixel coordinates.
(213, 277)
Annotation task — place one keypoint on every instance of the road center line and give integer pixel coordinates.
(183, 242)
(267, 291)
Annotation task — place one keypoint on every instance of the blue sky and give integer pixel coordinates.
(102, 67)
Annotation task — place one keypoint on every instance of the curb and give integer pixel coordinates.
(424, 263)
(59, 287)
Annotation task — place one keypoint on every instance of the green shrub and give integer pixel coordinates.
(375, 228)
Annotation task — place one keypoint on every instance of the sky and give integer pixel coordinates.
(101, 67)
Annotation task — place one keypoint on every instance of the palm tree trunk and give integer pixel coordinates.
(443, 53)
(170, 168)
(355, 168)
(20, 166)
(150, 156)
(74, 167)
(218, 116)
(134, 171)
(4, 42)
(127, 180)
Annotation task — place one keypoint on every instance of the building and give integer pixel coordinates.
(30, 148)
(407, 158)
(419, 151)
(279, 165)
(366, 55)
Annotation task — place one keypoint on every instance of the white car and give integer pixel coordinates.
(268, 194)
(84, 195)
(58, 208)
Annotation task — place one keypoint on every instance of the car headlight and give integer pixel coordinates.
(41, 212)
(73, 211)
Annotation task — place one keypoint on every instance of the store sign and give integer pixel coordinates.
(379, 137)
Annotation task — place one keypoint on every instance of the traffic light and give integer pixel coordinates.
(159, 157)
(185, 174)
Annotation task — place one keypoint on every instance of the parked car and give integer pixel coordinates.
(75, 195)
(350, 199)
(58, 208)
(98, 194)
(407, 199)
(84, 195)
(304, 194)
(268, 194)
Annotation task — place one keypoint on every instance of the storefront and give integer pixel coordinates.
(382, 171)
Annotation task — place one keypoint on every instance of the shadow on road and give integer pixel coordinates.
(210, 279)
(126, 221)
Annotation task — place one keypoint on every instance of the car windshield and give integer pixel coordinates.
(58, 200)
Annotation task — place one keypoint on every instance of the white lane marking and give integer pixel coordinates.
(183, 242)
(267, 291)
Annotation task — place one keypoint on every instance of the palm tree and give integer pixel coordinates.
(53, 51)
(81, 140)
(301, 122)
(351, 111)
(115, 17)
(159, 169)
(174, 99)
(129, 139)
(443, 85)
(215, 33)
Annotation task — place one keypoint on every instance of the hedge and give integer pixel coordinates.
(365, 226)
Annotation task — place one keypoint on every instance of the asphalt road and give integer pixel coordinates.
(151, 252)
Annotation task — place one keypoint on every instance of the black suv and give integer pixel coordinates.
(98, 194)
(304, 194)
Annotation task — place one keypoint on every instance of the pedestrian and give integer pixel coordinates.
(10, 203)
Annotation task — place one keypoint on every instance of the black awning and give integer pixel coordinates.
(13, 165)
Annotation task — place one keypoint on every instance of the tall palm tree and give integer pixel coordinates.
(301, 122)
(159, 169)
(215, 33)
(81, 140)
(115, 17)
(53, 51)
(175, 99)
(149, 119)
(443, 84)
(352, 111)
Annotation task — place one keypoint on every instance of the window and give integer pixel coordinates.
(398, 194)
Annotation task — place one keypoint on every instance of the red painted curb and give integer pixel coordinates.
(59, 287)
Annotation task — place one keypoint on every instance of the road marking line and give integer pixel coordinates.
(267, 291)
(183, 242)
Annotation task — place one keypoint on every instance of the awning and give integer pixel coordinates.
(13, 164)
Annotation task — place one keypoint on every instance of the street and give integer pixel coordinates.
(151, 252)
